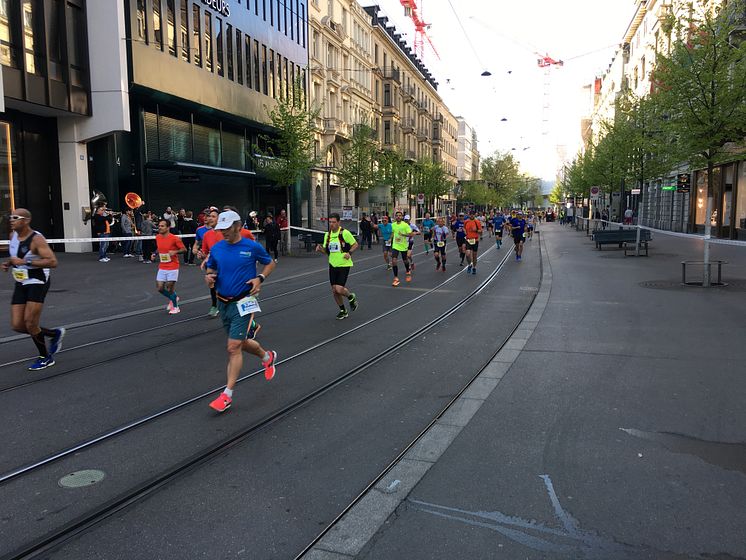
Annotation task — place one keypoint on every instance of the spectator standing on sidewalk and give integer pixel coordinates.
(188, 227)
(148, 245)
(628, 215)
(127, 232)
(102, 229)
(271, 235)
(170, 217)
(366, 231)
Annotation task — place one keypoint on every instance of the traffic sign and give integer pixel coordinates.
(595, 191)
(420, 198)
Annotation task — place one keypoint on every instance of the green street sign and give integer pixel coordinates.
(669, 188)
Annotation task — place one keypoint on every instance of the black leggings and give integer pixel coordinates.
(272, 247)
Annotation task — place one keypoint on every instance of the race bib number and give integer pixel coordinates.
(471, 241)
(20, 274)
(334, 246)
(248, 305)
(441, 244)
(426, 229)
(388, 243)
(164, 257)
(399, 239)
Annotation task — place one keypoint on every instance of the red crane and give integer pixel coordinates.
(412, 11)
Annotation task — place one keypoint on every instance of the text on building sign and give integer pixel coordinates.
(219, 6)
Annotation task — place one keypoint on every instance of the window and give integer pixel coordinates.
(303, 19)
(239, 57)
(170, 27)
(288, 77)
(55, 40)
(229, 50)
(271, 85)
(293, 18)
(265, 89)
(208, 41)
(387, 132)
(264, 10)
(291, 81)
(78, 55)
(142, 26)
(184, 31)
(386, 95)
(157, 31)
(196, 32)
(316, 41)
(330, 8)
(257, 69)
(247, 52)
(272, 13)
(219, 46)
(32, 37)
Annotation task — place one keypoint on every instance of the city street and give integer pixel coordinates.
(617, 432)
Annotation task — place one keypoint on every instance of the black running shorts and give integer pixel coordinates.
(338, 275)
(30, 292)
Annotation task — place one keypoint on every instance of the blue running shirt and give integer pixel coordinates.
(236, 264)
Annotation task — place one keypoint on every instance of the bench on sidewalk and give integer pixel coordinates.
(620, 237)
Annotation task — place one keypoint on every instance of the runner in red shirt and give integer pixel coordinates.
(170, 247)
(473, 229)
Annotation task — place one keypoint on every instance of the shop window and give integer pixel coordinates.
(207, 51)
(55, 40)
(196, 35)
(8, 180)
(184, 31)
(741, 198)
(171, 27)
(33, 44)
(239, 57)
(206, 145)
(219, 46)
(157, 31)
(229, 50)
(234, 150)
(142, 26)
(174, 139)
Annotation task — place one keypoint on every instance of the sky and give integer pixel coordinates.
(505, 38)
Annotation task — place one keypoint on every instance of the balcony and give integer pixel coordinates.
(421, 108)
(407, 125)
(422, 134)
(336, 127)
(390, 110)
(390, 73)
(410, 155)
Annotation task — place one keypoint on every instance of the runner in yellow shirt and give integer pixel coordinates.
(339, 244)
(401, 232)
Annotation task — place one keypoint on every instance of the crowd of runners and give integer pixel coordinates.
(229, 257)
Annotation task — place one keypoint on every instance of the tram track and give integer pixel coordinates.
(154, 346)
(151, 486)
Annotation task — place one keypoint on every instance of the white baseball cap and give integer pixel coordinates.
(406, 217)
(227, 219)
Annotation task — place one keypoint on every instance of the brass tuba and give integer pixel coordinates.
(98, 199)
(133, 200)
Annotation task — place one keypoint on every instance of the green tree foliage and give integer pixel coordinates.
(289, 152)
(501, 171)
(430, 179)
(394, 172)
(358, 169)
(700, 86)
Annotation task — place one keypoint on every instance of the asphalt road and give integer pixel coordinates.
(271, 494)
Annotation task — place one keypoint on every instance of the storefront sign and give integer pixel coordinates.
(219, 6)
(682, 183)
(347, 212)
(635, 191)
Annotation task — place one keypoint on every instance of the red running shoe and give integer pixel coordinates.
(269, 367)
(222, 403)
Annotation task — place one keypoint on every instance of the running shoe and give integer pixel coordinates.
(443, 268)
(461, 263)
(468, 269)
(222, 403)
(41, 363)
(437, 266)
(175, 311)
(56, 344)
(388, 267)
(254, 328)
(342, 314)
(412, 267)
(395, 282)
(353, 302)
(408, 277)
(474, 270)
(170, 305)
(269, 367)
(214, 311)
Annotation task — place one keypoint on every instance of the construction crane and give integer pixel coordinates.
(420, 27)
(547, 62)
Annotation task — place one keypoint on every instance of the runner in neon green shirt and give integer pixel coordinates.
(339, 244)
(401, 232)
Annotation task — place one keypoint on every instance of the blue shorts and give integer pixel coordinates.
(236, 326)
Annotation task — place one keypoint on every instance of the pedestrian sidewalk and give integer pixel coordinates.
(611, 425)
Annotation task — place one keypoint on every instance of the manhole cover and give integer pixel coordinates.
(80, 479)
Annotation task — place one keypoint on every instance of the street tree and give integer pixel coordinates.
(394, 172)
(501, 172)
(358, 169)
(431, 180)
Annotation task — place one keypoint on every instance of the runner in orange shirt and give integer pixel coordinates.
(169, 247)
(473, 229)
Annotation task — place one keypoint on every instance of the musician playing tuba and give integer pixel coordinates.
(102, 222)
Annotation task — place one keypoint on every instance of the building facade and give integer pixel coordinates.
(465, 151)
(658, 204)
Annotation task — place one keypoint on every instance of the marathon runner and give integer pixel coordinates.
(458, 230)
(518, 230)
(169, 248)
(401, 233)
(385, 232)
(427, 232)
(473, 231)
(30, 262)
(415, 231)
(231, 268)
(210, 218)
(530, 224)
(339, 244)
(498, 223)
(440, 236)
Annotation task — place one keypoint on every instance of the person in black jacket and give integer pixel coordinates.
(271, 235)
(366, 230)
(188, 227)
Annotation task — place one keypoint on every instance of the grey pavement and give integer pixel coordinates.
(611, 426)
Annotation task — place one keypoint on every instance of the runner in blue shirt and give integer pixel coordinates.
(427, 232)
(458, 229)
(385, 231)
(498, 222)
(518, 230)
(231, 269)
